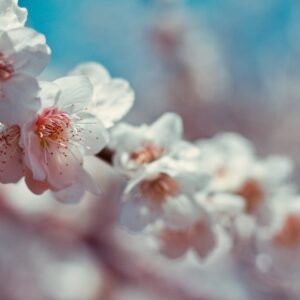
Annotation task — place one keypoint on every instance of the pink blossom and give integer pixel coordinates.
(57, 139)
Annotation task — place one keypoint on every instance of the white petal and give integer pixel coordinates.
(75, 192)
(49, 93)
(167, 129)
(19, 102)
(96, 73)
(11, 16)
(135, 216)
(76, 93)
(33, 154)
(125, 137)
(275, 169)
(31, 52)
(7, 47)
(112, 101)
(222, 203)
(112, 98)
(180, 212)
(95, 136)
(71, 195)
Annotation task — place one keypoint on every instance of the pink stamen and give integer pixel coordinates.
(52, 126)
(146, 154)
(159, 189)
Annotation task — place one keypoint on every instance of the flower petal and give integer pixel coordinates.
(31, 53)
(19, 92)
(33, 154)
(180, 212)
(76, 93)
(135, 216)
(7, 46)
(35, 186)
(49, 93)
(11, 15)
(62, 165)
(167, 129)
(74, 193)
(11, 155)
(95, 136)
(112, 101)
(112, 98)
(96, 73)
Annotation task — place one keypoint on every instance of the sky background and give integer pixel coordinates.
(116, 32)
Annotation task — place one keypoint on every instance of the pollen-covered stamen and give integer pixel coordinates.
(6, 68)
(54, 125)
(289, 235)
(146, 154)
(253, 194)
(159, 189)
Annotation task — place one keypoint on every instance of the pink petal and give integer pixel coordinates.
(11, 159)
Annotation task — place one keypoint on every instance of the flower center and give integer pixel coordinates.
(159, 189)
(146, 154)
(52, 126)
(253, 194)
(289, 235)
(6, 68)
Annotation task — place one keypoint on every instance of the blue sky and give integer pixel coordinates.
(115, 32)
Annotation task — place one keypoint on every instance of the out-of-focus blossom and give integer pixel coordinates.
(11, 15)
(57, 139)
(198, 69)
(112, 97)
(237, 170)
(23, 55)
(164, 191)
(229, 157)
(200, 237)
(136, 147)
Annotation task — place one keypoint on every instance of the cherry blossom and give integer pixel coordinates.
(57, 139)
(135, 147)
(164, 191)
(23, 55)
(236, 170)
(112, 97)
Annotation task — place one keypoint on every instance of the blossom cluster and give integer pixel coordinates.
(189, 196)
(48, 128)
